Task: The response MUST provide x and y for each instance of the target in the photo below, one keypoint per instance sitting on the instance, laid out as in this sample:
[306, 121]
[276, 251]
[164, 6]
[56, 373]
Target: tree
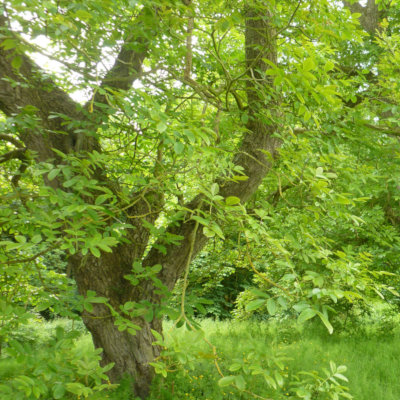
[188, 106]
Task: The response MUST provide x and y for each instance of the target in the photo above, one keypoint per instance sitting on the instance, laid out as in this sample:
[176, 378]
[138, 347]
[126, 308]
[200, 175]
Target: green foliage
[319, 241]
[215, 280]
[56, 368]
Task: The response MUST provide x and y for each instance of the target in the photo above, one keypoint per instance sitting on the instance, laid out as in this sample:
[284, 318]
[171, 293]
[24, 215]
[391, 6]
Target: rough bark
[105, 275]
[131, 354]
[370, 14]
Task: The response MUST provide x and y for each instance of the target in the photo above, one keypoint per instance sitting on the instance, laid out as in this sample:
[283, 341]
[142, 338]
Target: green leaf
[83, 15]
[9, 44]
[217, 229]
[201, 220]
[306, 314]
[255, 304]
[58, 391]
[240, 382]
[70, 182]
[226, 381]
[232, 200]
[101, 199]
[36, 238]
[95, 251]
[341, 368]
[271, 306]
[235, 367]
[342, 377]
[278, 378]
[329, 66]
[326, 322]
[244, 118]
[240, 178]
[214, 189]
[75, 388]
[308, 64]
[208, 232]
[319, 172]
[179, 147]
[53, 173]
[20, 239]
[88, 306]
[161, 127]
[16, 62]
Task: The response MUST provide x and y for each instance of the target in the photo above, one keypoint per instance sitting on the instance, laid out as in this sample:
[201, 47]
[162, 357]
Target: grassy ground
[373, 361]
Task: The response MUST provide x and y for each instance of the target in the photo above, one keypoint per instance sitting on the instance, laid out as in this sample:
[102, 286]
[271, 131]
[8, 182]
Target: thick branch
[30, 86]
[128, 65]
[13, 154]
[252, 155]
[370, 14]
[11, 139]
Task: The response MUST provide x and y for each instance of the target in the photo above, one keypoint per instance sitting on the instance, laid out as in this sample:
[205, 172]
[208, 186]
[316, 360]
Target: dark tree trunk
[130, 353]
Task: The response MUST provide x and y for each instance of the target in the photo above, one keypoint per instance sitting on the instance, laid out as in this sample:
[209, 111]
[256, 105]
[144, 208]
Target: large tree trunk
[130, 353]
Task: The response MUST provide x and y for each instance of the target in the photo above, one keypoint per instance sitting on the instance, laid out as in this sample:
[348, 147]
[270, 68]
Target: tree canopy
[133, 133]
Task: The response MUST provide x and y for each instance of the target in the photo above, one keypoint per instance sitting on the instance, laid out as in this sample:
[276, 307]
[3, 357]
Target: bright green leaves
[255, 304]
[311, 383]
[91, 299]
[9, 44]
[325, 321]
[309, 65]
[271, 306]
[16, 62]
[232, 201]
[236, 380]
[97, 243]
[306, 314]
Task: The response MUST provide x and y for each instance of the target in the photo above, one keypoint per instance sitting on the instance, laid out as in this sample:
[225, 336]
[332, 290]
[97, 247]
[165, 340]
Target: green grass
[373, 361]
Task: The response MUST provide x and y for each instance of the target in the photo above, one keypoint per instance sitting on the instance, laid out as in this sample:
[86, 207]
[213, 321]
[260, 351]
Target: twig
[34, 257]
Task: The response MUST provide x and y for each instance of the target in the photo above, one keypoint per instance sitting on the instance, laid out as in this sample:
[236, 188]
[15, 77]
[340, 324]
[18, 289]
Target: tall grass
[373, 361]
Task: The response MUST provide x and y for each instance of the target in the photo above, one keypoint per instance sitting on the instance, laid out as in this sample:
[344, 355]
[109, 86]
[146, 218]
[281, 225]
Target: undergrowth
[371, 356]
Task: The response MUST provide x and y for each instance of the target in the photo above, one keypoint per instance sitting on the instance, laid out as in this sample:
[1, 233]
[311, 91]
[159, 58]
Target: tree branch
[11, 139]
[41, 94]
[128, 65]
[254, 155]
[13, 154]
[387, 130]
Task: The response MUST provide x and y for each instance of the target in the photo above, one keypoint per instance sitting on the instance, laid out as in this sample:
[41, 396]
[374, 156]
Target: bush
[61, 367]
